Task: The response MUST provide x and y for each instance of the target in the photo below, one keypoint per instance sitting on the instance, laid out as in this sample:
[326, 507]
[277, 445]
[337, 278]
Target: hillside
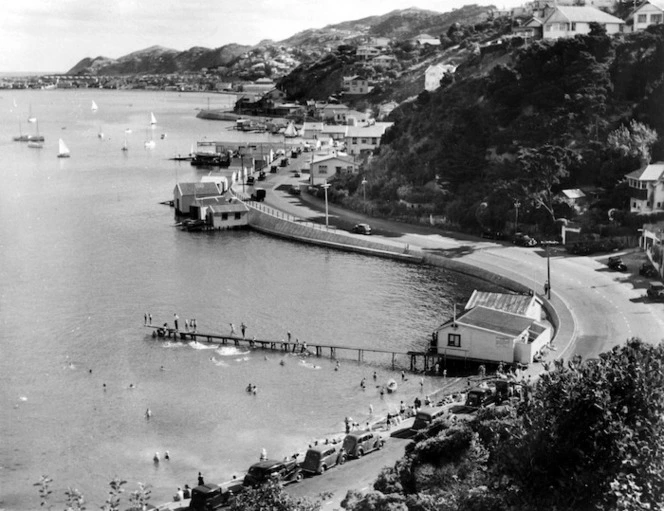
[525, 129]
[277, 59]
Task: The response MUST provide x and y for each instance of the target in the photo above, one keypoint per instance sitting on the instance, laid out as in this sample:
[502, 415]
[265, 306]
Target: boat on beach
[94, 106]
[391, 386]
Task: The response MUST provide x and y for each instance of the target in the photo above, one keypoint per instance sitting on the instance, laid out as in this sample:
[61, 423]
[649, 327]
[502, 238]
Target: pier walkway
[429, 359]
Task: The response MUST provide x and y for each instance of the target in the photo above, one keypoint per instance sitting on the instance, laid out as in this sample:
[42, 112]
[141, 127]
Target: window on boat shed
[454, 340]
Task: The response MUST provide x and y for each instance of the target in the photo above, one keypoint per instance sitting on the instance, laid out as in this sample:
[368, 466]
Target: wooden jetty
[429, 358]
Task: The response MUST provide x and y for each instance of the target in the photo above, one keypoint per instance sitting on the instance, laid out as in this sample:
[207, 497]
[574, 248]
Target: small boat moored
[391, 386]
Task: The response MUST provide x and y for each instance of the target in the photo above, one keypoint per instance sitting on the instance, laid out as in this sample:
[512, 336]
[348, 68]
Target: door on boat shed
[195, 212]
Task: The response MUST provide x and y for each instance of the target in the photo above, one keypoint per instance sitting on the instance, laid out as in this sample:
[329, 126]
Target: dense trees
[482, 137]
[591, 436]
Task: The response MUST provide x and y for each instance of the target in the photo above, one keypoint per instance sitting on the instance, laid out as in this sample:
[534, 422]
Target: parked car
[250, 180]
[523, 240]
[259, 195]
[362, 229]
[425, 416]
[261, 176]
[295, 190]
[273, 169]
[320, 458]
[210, 496]
[647, 270]
[284, 162]
[656, 291]
[296, 174]
[493, 235]
[357, 445]
[283, 472]
[616, 263]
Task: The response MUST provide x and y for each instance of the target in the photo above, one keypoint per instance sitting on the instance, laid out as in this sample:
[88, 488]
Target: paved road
[606, 307]
[358, 474]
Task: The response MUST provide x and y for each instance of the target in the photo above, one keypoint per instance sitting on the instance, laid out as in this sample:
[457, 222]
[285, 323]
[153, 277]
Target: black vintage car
[283, 472]
[616, 263]
[647, 270]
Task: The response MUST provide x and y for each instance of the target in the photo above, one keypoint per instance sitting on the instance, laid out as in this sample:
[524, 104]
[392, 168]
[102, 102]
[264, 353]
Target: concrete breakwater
[269, 221]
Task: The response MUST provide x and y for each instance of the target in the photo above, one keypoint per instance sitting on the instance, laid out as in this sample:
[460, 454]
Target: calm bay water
[86, 249]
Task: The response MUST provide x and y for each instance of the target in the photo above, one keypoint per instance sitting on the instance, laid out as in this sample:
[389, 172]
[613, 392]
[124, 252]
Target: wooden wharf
[429, 358]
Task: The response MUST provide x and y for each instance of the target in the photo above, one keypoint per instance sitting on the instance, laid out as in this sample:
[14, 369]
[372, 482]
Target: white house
[569, 21]
[426, 40]
[334, 112]
[185, 194]
[334, 131]
[434, 74]
[649, 13]
[312, 129]
[364, 139]
[646, 188]
[228, 215]
[356, 85]
[523, 305]
[367, 52]
[490, 335]
[324, 167]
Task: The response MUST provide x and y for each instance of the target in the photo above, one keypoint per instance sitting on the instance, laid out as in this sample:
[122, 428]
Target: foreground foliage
[590, 437]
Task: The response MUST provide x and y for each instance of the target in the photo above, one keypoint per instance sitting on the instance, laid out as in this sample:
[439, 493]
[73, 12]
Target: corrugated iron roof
[581, 14]
[515, 304]
[230, 207]
[496, 321]
[651, 172]
[198, 188]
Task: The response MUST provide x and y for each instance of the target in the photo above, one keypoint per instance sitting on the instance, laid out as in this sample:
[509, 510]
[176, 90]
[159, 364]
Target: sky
[54, 35]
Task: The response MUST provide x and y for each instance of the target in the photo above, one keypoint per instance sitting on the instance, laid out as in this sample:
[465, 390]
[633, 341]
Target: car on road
[656, 291]
[616, 263]
[207, 497]
[283, 472]
[320, 458]
[493, 235]
[296, 174]
[647, 270]
[250, 180]
[357, 445]
[523, 240]
[295, 190]
[362, 229]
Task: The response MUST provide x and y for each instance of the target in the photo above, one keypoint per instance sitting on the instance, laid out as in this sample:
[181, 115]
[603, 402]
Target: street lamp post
[548, 274]
[325, 187]
[517, 205]
[364, 189]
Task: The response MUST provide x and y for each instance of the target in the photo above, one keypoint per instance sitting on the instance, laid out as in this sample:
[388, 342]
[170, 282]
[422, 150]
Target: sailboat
[31, 118]
[290, 131]
[94, 106]
[21, 137]
[153, 119]
[63, 150]
[149, 144]
[125, 147]
[36, 137]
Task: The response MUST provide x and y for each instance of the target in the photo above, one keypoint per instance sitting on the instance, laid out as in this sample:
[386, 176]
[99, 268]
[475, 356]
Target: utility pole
[517, 205]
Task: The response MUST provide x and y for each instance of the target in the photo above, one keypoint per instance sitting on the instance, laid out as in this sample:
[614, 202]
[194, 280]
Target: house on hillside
[356, 85]
[530, 29]
[384, 61]
[425, 40]
[569, 21]
[646, 188]
[185, 194]
[523, 305]
[482, 334]
[435, 73]
[381, 43]
[365, 139]
[325, 167]
[647, 14]
[312, 129]
[336, 132]
[334, 112]
[366, 52]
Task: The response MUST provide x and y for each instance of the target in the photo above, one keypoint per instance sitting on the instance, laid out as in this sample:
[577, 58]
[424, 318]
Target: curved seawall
[272, 222]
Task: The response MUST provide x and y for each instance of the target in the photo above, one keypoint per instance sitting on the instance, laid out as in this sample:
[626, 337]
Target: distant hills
[282, 56]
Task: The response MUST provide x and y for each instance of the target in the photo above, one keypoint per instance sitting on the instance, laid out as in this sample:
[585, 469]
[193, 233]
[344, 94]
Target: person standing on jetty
[145, 318]
[243, 327]
[201, 482]
[232, 329]
[175, 321]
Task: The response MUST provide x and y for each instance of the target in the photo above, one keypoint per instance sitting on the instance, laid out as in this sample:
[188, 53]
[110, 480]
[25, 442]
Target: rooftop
[496, 321]
[512, 303]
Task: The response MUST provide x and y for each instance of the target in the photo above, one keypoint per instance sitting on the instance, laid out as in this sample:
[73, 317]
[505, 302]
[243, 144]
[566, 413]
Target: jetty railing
[290, 218]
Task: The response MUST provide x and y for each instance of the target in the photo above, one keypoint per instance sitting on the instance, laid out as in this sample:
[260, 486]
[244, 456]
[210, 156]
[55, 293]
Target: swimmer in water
[282, 363]
[132, 386]
[148, 414]
[155, 458]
